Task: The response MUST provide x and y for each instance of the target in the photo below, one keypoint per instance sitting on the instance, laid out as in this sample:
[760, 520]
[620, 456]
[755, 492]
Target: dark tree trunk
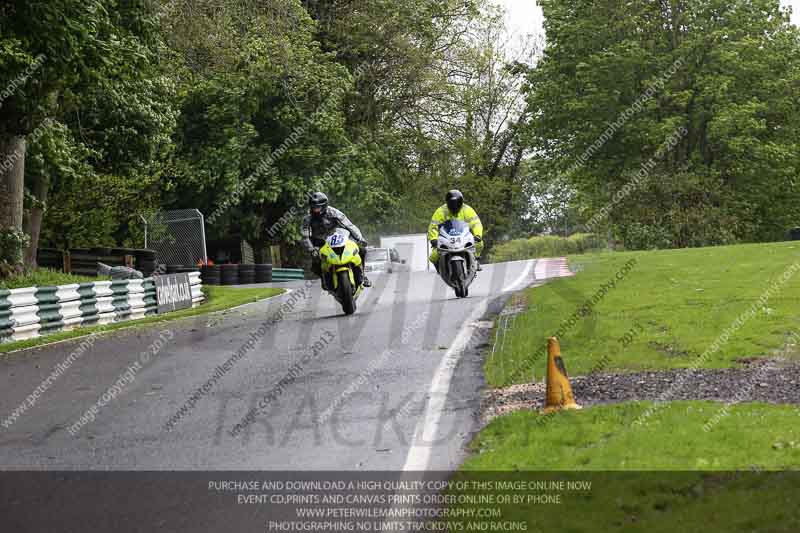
[258, 250]
[12, 187]
[12, 181]
[34, 222]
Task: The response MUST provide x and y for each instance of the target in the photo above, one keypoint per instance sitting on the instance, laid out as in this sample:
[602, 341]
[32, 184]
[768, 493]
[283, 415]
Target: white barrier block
[102, 289]
[106, 318]
[25, 315]
[135, 286]
[68, 293]
[23, 297]
[22, 333]
[69, 310]
[72, 323]
[104, 305]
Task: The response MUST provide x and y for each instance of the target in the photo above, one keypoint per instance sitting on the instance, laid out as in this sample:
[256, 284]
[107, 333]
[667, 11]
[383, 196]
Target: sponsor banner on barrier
[173, 292]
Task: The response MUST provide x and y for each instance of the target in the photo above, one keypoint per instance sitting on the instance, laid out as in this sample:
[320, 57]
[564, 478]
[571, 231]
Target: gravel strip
[761, 380]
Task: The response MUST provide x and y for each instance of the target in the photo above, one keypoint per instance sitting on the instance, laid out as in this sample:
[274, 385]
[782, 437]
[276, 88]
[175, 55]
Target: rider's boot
[327, 281]
[361, 277]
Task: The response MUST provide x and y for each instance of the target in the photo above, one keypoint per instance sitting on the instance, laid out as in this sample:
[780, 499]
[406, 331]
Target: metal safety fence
[177, 236]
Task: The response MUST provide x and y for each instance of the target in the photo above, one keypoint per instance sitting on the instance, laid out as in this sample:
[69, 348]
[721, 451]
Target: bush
[637, 236]
[12, 244]
[546, 246]
[685, 210]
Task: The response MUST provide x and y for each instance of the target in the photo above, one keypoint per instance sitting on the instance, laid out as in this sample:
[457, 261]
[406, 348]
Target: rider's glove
[315, 253]
[478, 239]
[434, 244]
[363, 244]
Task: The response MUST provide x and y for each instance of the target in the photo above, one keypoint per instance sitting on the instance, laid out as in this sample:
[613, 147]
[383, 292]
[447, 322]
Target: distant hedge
[546, 246]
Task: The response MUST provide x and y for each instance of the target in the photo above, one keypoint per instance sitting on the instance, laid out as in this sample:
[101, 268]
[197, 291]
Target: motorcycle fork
[336, 277]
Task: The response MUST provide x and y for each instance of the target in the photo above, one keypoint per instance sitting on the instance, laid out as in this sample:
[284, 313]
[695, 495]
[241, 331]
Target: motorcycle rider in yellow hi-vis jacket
[454, 209]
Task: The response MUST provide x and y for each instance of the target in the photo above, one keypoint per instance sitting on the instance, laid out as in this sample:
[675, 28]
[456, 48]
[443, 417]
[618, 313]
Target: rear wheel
[346, 293]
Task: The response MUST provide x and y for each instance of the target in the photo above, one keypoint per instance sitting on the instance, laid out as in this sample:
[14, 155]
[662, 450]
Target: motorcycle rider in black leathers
[320, 223]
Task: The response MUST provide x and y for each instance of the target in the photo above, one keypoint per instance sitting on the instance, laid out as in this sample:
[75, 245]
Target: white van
[384, 260]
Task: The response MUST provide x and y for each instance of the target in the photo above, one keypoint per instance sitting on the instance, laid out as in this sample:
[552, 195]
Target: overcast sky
[526, 17]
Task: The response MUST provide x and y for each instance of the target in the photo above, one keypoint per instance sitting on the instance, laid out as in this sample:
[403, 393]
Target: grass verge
[602, 438]
[43, 277]
[218, 299]
[647, 502]
[669, 309]
[668, 475]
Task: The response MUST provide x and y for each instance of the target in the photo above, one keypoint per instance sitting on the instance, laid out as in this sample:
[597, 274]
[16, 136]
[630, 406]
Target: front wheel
[346, 293]
[459, 272]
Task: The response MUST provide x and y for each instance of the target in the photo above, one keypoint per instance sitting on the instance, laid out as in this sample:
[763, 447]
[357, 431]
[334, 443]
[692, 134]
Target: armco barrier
[36, 311]
[287, 274]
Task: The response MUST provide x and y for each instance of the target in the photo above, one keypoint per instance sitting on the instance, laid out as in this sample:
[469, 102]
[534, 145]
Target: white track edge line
[419, 453]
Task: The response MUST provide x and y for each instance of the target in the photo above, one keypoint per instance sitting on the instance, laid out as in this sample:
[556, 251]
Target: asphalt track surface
[394, 387]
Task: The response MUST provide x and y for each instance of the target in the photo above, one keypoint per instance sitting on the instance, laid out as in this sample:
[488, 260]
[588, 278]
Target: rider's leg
[478, 252]
[363, 253]
[316, 268]
[434, 258]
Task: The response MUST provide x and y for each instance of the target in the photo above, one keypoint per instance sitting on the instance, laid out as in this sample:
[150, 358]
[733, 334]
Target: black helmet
[455, 201]
[318, 203]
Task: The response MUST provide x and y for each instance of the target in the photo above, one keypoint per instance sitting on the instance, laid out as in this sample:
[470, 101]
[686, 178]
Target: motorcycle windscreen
[453, 228]
[338, 238]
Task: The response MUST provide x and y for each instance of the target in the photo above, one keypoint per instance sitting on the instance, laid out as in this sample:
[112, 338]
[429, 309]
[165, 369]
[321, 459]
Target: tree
[37, 70]
[437, 106]
[111, 46]
[469, 130]
[261, 116]
[617, 81]
[241, 108]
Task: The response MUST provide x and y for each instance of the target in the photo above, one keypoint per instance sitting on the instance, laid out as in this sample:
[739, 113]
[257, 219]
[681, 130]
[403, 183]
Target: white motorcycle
[457, 261]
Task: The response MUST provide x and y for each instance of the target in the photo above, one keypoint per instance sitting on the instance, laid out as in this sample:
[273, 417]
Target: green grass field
[667, 475]
[665, 312]
[644, 502]
[704, 308]
[218, 299]
[604, 438]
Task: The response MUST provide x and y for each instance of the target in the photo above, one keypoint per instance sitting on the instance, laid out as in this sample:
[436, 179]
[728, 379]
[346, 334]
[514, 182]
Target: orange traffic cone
[559, 391]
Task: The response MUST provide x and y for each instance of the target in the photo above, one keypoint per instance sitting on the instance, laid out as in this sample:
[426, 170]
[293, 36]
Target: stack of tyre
[247, 274]
[83, 262]
[229, 274]
[244, 274]
[210, 274]
[145, 262]
[263, 273]
[50, 258]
